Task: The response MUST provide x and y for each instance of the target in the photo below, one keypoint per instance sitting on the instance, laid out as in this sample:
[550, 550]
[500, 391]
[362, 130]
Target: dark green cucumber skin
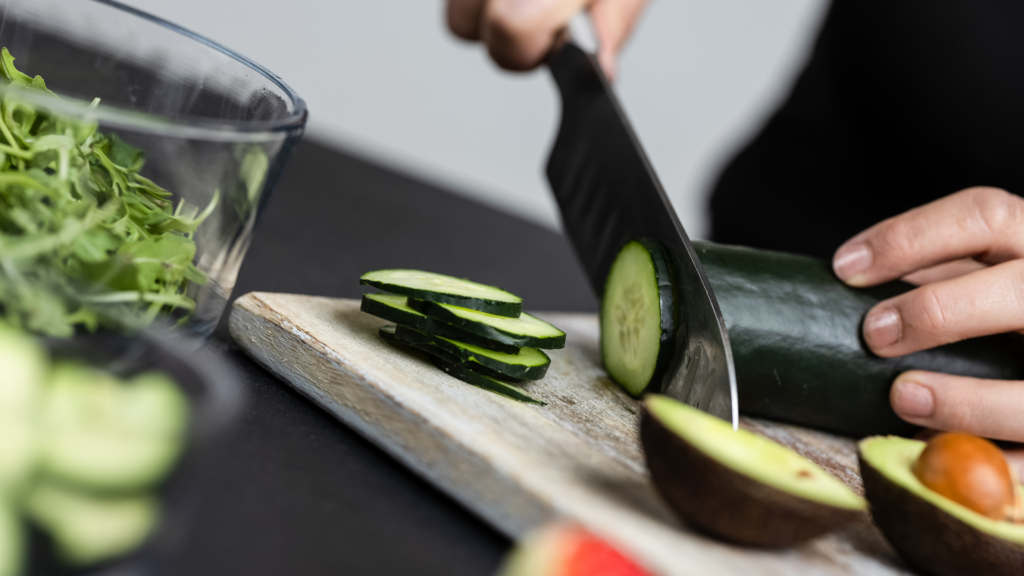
[432, 326]
[496, 307]
[518, 371]
[495, 385]
[387, 332]
[795, 332]
[669, 308]
[488, 333]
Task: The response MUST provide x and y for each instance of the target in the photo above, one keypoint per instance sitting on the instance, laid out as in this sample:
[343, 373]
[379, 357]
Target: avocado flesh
[933, 532]
[752, 455]
[737, 485]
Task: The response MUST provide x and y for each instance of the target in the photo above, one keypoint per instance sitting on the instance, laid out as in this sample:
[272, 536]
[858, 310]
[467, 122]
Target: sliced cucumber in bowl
[105, 434]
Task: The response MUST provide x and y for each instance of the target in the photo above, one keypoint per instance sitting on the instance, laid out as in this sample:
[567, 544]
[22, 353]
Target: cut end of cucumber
[637, 322]
[435, 287]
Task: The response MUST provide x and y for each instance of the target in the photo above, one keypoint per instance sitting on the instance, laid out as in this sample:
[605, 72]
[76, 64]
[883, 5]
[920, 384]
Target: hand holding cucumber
[966, 252]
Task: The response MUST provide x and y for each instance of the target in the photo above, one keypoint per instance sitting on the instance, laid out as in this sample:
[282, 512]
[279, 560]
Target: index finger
[520, 33]
[464, 18]
[983, 223]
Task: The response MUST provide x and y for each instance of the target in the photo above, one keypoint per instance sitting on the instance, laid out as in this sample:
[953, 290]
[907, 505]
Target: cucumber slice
[637, 316]
[529, 364]
[19, 440]
[23, 365]
[87, 528]
[526, 331]
[12, 540]
[104, 434]
[445, 289]
[387, 332]
[395, 309]
[496, 385]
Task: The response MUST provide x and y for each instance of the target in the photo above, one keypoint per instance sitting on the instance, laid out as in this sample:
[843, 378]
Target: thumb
[988, 408]
[614, 21]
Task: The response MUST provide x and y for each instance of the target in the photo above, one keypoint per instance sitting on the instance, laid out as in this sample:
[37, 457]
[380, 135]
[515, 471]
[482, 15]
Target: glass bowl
[215, 129]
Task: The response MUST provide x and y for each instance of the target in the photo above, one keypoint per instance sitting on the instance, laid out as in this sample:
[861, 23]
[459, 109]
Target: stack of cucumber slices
[474, 332]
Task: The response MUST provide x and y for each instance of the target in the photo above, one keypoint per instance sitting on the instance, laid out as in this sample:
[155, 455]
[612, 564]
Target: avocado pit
[937, 534]
[970, 471]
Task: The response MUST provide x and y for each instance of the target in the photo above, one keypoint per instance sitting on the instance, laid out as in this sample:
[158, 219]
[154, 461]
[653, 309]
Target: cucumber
[23, 365]
[445, 289]
[795, 331]
[387, 332]
[18, 454]
[488, 383]
[525, 332]
[638, 317]
[12, 540]
[529, 364]
[395, 309]
[104, 434]
[87, 528]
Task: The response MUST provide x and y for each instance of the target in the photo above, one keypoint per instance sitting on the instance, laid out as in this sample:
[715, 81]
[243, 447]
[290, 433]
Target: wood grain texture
[520, 465]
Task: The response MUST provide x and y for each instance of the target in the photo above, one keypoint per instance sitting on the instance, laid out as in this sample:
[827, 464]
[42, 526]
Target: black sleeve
[901, 102]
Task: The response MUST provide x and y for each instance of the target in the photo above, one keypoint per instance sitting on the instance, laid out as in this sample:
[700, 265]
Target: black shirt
[902, 102]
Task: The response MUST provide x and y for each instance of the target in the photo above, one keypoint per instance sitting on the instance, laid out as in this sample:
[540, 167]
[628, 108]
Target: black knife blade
[608, 194]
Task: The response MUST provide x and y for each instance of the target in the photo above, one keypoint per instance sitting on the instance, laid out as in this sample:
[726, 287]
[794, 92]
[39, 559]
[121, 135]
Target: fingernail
[850, 263]
[882, 328]
[913, 399]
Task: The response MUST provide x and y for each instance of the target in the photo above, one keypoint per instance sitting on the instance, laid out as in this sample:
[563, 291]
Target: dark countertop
[296, 492]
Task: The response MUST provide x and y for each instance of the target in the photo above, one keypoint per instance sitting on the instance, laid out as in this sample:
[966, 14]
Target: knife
[608, 194]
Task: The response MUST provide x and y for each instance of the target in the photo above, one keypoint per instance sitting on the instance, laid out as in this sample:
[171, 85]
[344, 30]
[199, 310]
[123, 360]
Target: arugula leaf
[85, 240]
[12, 75]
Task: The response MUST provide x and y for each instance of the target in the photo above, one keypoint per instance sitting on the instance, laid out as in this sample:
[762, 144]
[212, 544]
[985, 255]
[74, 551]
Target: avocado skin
[726, 504]
[794, 329]
[931, 539]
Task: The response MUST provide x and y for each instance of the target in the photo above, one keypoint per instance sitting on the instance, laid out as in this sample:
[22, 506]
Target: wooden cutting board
[519, 465]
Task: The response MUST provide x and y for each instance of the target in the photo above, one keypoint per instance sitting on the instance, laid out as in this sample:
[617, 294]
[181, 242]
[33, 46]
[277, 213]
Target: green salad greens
[85, 239]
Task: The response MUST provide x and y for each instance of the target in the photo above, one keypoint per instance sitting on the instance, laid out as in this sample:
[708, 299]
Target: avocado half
[934, 533]
[737, 485]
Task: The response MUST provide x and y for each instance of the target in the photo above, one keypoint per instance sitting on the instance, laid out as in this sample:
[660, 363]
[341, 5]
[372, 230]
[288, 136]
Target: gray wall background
[385, 80]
